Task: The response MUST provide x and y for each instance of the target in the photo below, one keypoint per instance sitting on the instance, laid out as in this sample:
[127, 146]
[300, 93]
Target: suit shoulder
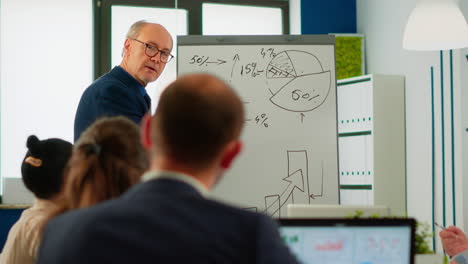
[251, 215]
[82, 217]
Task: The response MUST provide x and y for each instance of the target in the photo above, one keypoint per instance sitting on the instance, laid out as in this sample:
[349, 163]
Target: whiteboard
[288, 87]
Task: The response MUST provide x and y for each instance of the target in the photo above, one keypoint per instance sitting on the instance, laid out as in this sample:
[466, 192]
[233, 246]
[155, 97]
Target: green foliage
[357, 214]
[348, 56]
[423, 235]
[422, 238]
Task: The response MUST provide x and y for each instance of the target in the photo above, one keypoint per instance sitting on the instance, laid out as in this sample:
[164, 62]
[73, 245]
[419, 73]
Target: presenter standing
[147, 49]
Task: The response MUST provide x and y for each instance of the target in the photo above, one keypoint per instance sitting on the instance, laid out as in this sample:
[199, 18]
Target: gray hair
[134, 31]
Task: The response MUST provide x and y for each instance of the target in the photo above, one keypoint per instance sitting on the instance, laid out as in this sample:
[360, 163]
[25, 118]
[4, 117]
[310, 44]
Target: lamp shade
[436, 25]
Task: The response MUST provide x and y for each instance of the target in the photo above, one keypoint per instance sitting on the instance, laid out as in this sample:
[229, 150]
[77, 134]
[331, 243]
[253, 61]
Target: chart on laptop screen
[349, 244]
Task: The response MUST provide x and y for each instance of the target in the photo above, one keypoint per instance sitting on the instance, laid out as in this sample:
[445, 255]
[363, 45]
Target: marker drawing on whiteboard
[313, 196]
[297, 178]
[298, 88]
[235, 59]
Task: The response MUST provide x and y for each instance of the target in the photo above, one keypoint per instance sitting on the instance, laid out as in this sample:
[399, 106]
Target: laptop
[350, 241]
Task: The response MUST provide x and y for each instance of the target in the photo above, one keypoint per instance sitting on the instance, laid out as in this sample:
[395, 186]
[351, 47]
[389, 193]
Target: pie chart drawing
[297, 81]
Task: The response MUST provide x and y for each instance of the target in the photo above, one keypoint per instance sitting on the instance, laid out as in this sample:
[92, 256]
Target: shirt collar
[150, 175]
[141, 88]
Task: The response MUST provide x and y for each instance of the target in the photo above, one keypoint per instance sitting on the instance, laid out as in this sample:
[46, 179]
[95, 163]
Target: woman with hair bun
[107, 160]
[42, 171]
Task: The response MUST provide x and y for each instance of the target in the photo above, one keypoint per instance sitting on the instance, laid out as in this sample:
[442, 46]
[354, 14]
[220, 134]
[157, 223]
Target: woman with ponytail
[107, 160]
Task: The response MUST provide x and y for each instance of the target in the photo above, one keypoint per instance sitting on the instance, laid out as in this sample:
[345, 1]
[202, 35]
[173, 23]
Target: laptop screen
[356, 241]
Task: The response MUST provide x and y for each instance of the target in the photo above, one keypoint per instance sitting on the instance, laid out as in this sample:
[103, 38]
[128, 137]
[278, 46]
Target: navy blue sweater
[116, 93]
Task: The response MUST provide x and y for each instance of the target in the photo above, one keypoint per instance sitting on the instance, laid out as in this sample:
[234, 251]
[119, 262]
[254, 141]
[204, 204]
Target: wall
[463, 64]
[382, 22]
[323, 17]
[295, 17]
[45, 64]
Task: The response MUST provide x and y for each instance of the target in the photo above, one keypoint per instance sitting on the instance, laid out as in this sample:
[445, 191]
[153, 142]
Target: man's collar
[150, 175]
[141, 88]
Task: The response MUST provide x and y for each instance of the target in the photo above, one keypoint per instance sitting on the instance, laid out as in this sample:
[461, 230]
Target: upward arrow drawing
[296, 181]
[235, 59]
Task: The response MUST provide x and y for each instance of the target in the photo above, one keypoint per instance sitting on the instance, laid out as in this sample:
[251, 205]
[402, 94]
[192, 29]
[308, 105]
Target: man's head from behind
[198, 122]
[146, 51]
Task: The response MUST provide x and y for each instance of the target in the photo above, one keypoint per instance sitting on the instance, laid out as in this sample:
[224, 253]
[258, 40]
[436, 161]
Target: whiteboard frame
[198, 40]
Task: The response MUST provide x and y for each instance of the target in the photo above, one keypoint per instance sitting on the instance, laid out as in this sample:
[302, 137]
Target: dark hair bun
[43, 165]
[32, 142]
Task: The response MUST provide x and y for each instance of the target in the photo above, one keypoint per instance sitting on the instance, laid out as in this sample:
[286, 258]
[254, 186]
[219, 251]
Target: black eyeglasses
[152, 51]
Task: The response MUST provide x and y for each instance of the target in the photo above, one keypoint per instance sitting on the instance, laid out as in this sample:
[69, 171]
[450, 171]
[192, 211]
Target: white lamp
[436, 25]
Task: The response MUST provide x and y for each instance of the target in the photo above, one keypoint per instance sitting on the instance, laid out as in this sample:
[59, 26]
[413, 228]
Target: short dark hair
[43, 166]
[196, 116]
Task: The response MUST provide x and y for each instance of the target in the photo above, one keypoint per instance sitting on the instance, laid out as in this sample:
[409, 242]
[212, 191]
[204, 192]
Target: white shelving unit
[371, 139]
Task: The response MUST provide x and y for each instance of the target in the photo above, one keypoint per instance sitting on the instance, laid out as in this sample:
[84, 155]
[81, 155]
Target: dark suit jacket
[162, 221]
[113, 94]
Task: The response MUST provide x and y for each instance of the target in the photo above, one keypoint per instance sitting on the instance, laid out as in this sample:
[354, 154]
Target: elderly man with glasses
[121, 92]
